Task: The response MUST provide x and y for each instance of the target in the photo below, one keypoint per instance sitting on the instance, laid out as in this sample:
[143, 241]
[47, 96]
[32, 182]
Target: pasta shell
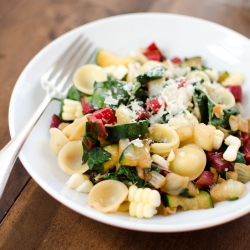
[76, 129]
[198, 75]
[107, 196]
[222, 96]
[165, 139]
[85, 77]
[57, 140]
[70, 158]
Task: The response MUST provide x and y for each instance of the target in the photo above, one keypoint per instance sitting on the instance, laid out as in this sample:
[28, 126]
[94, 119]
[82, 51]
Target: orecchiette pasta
[76, 129]
[164, 139]
[85, 77]
[57, 140]
[189, 161]
[70, 158]
[106, 196]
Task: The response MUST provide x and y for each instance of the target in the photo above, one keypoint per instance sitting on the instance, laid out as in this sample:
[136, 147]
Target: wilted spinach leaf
[96, 157]
[113, 92]
[127, 175]
[74, 94]
[150, 75]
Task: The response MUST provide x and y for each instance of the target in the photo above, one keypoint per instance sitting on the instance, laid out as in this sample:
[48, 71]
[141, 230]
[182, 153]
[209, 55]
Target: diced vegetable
[86, 107]
[106, 115]
[55, 121]
[136, 156]
[227, 190]
[205, 180]
[155, 104]
[96, 127]
[200, 201]
[217, 160]
[153, 53]
[175, 184]
[127, 131]
[236, 91]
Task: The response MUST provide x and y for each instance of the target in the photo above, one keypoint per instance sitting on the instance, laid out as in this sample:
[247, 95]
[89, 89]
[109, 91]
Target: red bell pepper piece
[153, 53]
[86, 107]
[176, 60]
[106, 115]
[236, 91]
[216, 158]
[151, 47]
[55, 121]
[155, 104]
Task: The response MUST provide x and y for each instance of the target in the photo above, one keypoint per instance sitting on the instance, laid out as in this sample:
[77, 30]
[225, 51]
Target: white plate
[175, 35]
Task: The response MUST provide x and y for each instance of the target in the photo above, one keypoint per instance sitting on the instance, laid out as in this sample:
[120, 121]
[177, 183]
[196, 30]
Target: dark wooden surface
[30, 218]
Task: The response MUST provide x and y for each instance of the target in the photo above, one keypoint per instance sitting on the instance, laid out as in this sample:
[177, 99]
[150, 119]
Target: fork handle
[10, 152]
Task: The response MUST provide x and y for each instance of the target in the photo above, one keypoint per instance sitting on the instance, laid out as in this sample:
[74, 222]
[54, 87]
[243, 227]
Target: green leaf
[97, 156]
[74, 94]
[152, 74]
[200, 101]
[240, 158]
[127, 175]
[88, 142]
[113, 90]
[224, 121]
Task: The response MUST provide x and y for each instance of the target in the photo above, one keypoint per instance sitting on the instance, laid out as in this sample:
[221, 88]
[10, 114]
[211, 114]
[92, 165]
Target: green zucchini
[127, 131]
[192, 62]
[136, 156]
[201, 201]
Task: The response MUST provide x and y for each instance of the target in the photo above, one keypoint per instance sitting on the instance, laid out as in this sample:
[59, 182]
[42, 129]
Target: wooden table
[30, 218]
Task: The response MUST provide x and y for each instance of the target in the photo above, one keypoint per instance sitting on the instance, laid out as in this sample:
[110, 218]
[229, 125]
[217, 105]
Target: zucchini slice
[201, 201]
[127, 131]
[136, 156]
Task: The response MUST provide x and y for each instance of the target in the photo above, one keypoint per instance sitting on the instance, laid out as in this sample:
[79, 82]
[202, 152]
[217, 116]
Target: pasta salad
[146, 134]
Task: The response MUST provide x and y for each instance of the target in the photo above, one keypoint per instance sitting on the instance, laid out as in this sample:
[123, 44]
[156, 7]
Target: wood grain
[31, 219]
[49, 225]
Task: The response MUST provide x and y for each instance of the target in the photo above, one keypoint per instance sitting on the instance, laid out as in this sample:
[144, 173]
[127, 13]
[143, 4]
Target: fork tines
[80, 52]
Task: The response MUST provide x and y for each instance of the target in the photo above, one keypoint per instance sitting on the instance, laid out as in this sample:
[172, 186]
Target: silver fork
[56, 82]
